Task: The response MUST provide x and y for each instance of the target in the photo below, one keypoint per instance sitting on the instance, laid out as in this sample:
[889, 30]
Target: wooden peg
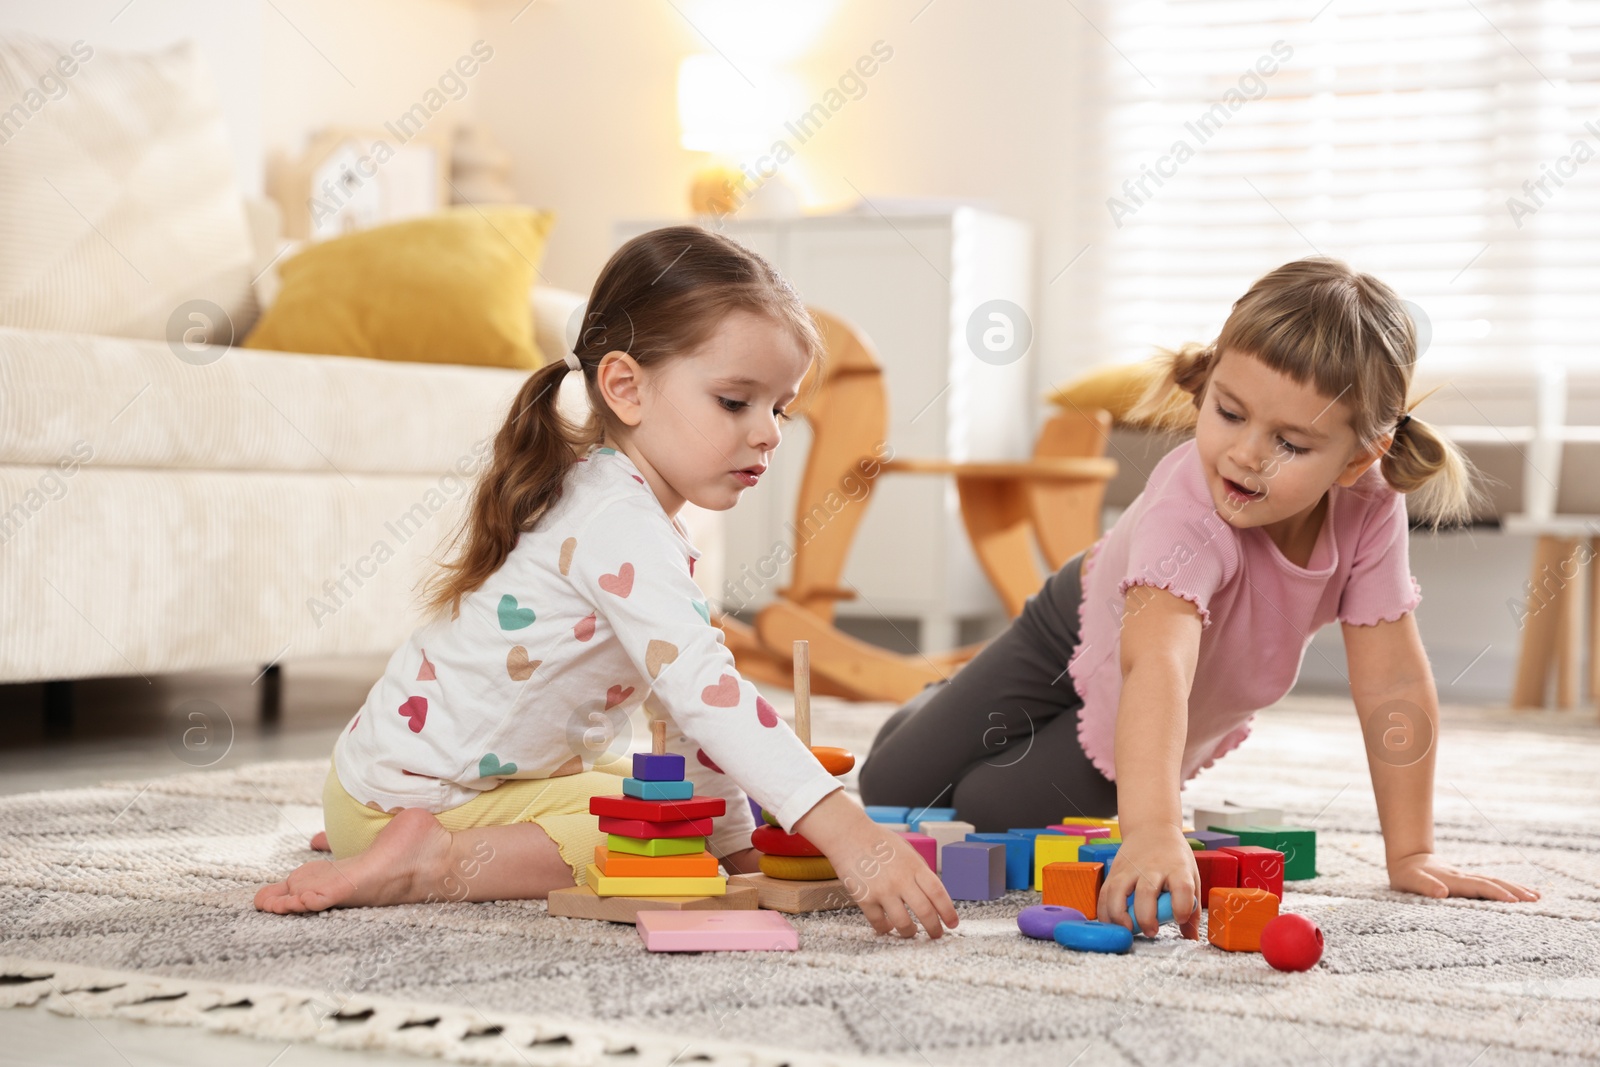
[658, 737]
[802, 692]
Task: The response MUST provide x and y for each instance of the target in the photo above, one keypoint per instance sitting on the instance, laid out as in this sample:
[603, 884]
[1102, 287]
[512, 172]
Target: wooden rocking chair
[1054, 499]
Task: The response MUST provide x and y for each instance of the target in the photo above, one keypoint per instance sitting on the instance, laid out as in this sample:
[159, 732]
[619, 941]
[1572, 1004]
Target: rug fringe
[447, 1031]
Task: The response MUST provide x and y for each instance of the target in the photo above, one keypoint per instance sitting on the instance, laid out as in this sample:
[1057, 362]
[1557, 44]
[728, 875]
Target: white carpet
[153, 880]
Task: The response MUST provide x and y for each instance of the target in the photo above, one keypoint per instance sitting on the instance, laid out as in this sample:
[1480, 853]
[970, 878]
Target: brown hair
[1349, 336]
[659, 296]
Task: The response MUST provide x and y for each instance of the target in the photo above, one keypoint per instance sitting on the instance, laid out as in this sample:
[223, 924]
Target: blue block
[914, 820]
[973, 870]
[887, 813]
[1099, 852]
[1031, 832]
[1019, 857]
[646, 790]
[649, 767]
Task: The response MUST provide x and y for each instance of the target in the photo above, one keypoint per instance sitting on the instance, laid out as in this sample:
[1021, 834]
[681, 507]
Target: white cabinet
[911, 283]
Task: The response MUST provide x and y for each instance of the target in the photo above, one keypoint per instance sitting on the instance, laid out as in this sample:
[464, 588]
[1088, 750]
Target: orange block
[622, 865]
[1073, 885]
[1235, 917]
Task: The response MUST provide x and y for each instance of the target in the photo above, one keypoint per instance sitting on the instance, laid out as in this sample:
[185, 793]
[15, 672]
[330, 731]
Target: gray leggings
[999, 741]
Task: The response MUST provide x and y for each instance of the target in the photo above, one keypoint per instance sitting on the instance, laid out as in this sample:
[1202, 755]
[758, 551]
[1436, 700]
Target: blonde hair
[1349, 336]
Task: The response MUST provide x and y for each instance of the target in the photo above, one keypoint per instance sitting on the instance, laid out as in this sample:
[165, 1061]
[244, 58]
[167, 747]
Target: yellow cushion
[1116, 388]
[446, 288]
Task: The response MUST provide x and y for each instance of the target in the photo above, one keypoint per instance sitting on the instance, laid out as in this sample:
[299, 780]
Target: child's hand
[1427, 875]
[880, 869]
[1149, 861]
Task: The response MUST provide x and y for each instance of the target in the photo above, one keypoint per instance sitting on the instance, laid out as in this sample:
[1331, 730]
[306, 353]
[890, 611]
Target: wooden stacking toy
[795, 876]
[655, 854]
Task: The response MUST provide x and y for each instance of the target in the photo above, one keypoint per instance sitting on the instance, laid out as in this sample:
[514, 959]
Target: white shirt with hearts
[593, 615]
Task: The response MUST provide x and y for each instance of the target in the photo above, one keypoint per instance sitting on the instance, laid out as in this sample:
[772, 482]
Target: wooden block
[1073, 885]
[794, 898]
[887, 813]
[1053, 848]
[1235, 918]
[690, 931]
[1019, 857]
[658, 767]
[1212, 840]
[775, 842]
[797, 868]
[973, 870]
[1099, 852]
[1259, 868]
[647, 790]
[1230, 817]
[926, 847]
[626, 865]
[655, 846]
[1298, 845]
[607, 886]
[626, 807]
[1083, 830]
[917, 816]
[1110, 824]
[582, 902]
[946, 833]
[1218, 870]
[649, 829]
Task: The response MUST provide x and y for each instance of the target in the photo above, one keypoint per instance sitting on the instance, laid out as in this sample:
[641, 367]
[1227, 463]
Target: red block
[1259, 868]
[1218, 870]
[647, 829]
[774, 842]
[658, 810]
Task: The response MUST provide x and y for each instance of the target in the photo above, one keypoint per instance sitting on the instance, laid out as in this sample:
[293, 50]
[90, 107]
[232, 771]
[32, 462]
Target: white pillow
[118, 202]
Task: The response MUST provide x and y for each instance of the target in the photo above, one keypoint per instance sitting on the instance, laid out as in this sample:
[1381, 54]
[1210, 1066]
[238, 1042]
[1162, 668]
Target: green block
[655, 846]
[1298, 845]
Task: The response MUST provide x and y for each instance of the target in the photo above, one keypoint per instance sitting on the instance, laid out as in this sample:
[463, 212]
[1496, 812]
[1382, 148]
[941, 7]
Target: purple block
[1214, 841]
[974, 870]
[755, 809]
[926, 847]
[1040, 920]
[649, 767]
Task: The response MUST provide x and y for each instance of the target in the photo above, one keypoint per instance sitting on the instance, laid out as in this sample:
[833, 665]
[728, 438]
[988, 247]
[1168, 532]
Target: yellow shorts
[558, 806]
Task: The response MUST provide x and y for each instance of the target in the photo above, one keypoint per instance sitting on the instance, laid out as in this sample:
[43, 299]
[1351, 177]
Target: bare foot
[319, 842]
[399, 867]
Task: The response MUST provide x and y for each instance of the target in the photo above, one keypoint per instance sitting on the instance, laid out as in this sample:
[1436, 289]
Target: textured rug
[133, 899]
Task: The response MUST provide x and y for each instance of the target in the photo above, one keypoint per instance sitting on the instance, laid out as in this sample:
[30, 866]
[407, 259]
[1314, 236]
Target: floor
[133, 728]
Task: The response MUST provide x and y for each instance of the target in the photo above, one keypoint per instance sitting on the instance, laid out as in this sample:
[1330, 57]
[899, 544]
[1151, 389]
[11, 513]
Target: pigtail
[533, 451]
[1177, 381]
[1433, 473]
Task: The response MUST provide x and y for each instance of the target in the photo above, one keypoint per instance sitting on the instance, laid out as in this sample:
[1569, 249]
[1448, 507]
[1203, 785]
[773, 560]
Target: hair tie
[572, 361]
[1402, 423]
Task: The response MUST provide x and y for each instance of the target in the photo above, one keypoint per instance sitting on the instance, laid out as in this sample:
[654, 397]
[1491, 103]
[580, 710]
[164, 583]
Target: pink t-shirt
[1258, 611]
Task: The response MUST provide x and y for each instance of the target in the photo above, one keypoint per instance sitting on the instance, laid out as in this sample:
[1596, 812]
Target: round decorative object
[1040, 920]
[1291, 943]
[775, 842]
[1093, 936]
[797, 868]
[835, 761]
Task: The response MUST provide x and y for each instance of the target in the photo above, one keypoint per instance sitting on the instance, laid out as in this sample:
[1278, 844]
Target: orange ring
[835, 761]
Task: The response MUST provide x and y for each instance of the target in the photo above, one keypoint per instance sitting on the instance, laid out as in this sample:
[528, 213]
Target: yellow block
[1109, 824]
[655, 887]
[1053, 848]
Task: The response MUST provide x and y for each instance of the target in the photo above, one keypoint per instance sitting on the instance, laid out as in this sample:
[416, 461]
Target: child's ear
[619, 381]
[1362, 460]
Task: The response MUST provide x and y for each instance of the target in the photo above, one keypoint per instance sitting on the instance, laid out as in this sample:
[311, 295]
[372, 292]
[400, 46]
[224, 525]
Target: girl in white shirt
[467, 773]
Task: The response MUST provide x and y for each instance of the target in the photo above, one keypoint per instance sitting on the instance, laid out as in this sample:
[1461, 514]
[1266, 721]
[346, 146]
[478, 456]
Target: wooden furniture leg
[1569, 625]
[1539, 628]
[1594, 621]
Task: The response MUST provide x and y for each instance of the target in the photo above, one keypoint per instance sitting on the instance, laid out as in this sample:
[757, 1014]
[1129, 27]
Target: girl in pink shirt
[1144, 659]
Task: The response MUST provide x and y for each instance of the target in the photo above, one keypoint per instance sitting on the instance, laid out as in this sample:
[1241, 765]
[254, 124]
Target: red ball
[1291, 943]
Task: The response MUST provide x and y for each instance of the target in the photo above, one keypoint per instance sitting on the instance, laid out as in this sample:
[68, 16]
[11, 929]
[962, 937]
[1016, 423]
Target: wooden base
[794, 898]
[581, 902]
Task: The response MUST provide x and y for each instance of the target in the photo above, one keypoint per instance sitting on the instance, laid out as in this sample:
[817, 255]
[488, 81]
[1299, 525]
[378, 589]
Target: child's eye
[1296, 449]
[732, 405]
[1225, 413]
[783, 416]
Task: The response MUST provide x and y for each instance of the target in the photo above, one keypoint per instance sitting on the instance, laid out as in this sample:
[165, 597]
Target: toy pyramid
[655, 854]
[795, 876]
